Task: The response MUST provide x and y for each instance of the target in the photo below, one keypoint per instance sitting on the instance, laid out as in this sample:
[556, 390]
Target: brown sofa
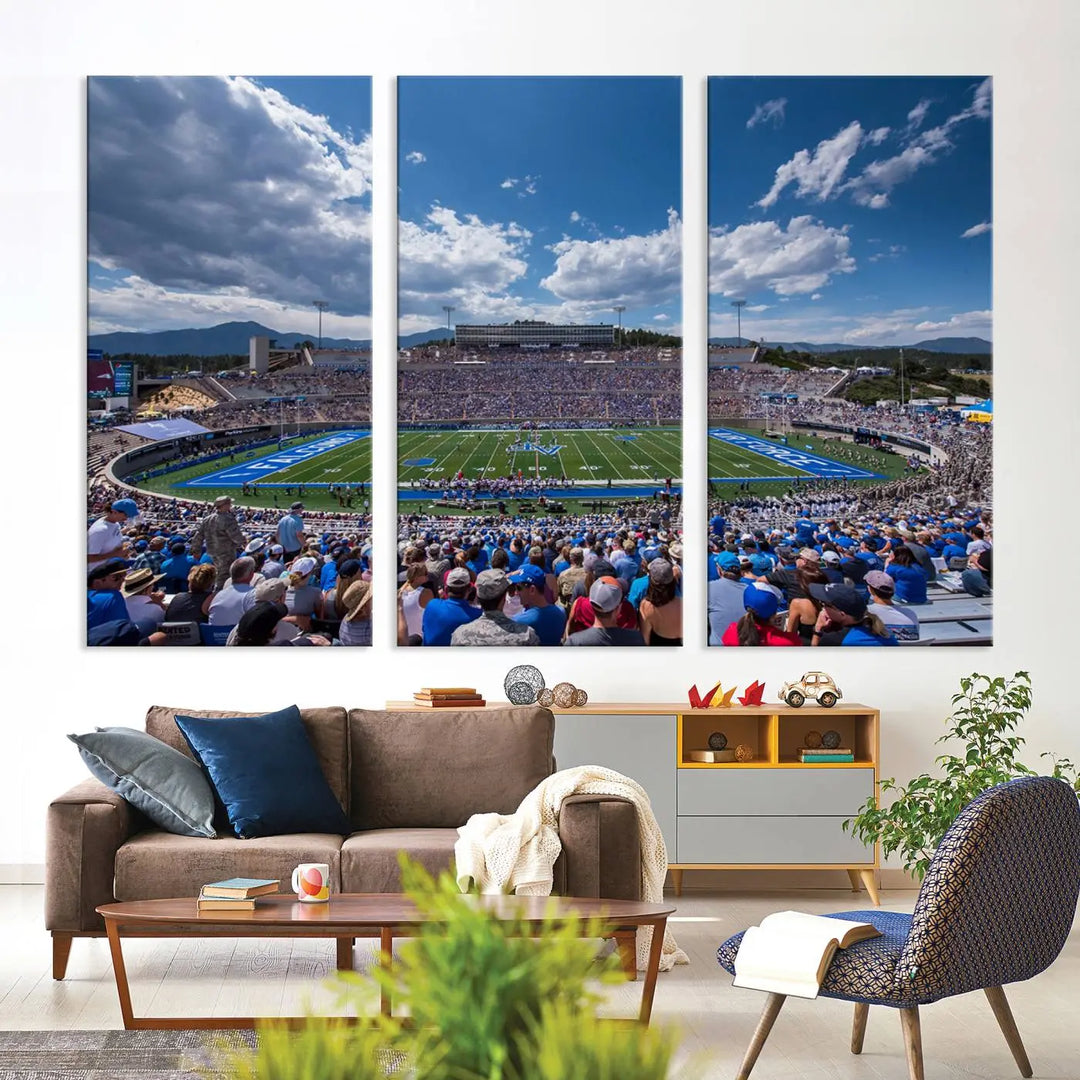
[406, 780]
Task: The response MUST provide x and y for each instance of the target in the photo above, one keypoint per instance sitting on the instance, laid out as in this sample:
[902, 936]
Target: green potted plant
[985, 715]
[487, 999]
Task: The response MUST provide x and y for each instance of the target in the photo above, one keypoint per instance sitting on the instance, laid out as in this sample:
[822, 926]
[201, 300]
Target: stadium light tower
[901, 378]
[738, 305]
[619, 309]
[322, 305]
[447, 308]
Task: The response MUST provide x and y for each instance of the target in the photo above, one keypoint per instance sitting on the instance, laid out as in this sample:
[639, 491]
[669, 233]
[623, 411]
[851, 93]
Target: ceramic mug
[311, 882]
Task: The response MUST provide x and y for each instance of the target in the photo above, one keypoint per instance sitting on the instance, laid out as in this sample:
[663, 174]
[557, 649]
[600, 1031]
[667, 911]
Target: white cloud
[509, 182]
[816, 296]
[757, 308]
[817, 174]
[877, 136]
[976, 230]
[768, 111]
[574, 215]
[222, 188]
[661, 317]
[764, 255]
[976, 323]
[917, 115]
[415, 157]
[639, 271]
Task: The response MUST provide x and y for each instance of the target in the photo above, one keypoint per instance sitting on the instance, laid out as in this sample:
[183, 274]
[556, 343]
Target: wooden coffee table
[349, 916]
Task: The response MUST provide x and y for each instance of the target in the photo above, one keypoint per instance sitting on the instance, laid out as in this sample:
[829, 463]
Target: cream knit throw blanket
[517, 852]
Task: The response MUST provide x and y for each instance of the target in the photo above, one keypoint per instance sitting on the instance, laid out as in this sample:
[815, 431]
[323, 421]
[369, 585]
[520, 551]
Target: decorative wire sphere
[545, 698]
[522, 684]
[581, 699]
[830, 740]
[813, 739]
[744, 752]
[564, 695]
[717, 741]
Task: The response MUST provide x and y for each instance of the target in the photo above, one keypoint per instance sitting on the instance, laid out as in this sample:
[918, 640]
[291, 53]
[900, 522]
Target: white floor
[961, 1040]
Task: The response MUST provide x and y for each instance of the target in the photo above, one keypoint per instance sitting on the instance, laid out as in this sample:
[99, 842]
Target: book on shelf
[813, 759]
[711, 757]
[224, 903]
[446, 691]
[790, 952]
[450, 703]
[813, 752]
[240, 888]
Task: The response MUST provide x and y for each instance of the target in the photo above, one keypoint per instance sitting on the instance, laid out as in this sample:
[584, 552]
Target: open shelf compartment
[746, 727]
[858, 732]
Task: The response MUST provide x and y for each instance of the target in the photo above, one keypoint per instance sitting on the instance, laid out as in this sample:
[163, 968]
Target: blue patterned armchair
[995, 907]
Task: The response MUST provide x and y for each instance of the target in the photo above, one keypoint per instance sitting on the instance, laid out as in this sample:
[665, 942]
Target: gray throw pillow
[167, 786]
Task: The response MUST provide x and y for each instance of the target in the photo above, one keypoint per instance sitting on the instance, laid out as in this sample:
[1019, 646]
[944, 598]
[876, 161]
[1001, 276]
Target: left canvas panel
[229, 361]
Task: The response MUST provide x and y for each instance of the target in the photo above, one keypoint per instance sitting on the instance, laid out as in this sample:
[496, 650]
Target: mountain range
[965, 345]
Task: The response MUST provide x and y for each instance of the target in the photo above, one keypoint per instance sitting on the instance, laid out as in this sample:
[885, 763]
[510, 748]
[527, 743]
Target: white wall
[53, 685]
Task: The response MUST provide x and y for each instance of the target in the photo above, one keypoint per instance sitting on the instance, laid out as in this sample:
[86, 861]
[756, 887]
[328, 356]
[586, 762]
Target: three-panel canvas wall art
[540, 363]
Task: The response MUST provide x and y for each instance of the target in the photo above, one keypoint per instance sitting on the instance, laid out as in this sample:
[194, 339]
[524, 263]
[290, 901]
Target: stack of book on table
[839, 753]
[235, 894]
[448, 697]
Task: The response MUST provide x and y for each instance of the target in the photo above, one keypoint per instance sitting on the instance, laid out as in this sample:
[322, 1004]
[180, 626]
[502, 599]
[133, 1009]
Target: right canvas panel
[850, 364]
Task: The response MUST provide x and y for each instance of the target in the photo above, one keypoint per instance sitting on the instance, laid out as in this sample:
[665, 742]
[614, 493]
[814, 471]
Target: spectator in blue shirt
[104, 601]
[443, 616]
[548, 620]
[908, 575]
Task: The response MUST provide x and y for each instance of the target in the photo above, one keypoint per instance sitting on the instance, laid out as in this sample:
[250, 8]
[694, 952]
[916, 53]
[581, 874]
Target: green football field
[627, 455]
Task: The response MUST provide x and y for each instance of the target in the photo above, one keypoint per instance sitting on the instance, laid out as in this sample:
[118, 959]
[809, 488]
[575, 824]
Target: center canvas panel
[850, 361]
[540, 361]
[229, 361]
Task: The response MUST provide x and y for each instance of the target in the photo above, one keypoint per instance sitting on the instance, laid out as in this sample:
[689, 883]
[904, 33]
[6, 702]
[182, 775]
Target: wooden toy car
[813, 684]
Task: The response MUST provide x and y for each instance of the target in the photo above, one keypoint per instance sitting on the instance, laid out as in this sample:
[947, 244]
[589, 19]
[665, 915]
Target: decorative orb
[717, 741]
[545, 698]
[522, 684]
[581, 699]
[830, 740]
[744, 752]
[564, 695]
[813, 739]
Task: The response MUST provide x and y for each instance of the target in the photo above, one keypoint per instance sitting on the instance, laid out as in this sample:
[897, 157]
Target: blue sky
[549, 198]
[219, 199]
[850, 209]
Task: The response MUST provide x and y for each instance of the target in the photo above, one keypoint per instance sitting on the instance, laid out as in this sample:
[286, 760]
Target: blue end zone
[816, 466]
[625, 438]
[255, 472]
[418, 462]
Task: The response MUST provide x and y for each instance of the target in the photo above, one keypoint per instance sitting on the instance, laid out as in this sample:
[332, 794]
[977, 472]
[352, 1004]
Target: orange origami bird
[721, 699]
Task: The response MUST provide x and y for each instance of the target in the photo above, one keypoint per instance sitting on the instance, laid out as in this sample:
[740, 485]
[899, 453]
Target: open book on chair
[790, 952]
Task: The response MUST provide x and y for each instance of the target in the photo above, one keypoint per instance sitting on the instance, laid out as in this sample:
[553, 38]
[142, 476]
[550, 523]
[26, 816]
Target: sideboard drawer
[813, 789]
[756, 840]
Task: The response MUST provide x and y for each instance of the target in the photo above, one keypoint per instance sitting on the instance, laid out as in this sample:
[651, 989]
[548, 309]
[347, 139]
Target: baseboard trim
[784, 880]
[22, 873]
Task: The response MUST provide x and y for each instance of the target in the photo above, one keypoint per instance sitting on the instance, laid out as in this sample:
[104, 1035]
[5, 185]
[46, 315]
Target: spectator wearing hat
[221, 535]
[176, 568]
[290, 532]
[493, 627]
[581, 615]
[271, 591]
[787, 577]
[274, 566]
[908, 576]
[105, 538]
[548, 620]
[355, 626]
[104, 601]
[661, 607]
[725, 596]
[869, 547]
[259, 624]
[900, 621]
[978, 578]
[413, 597]
[845, 620]
[230, 603]
[192, 604]
[755, 626]
[442, 616]
[605, 598]
[830, 566]
[333, 600]
[151, 555]
[303, 599]
[569, 578]
[437, 564]
[145, 609]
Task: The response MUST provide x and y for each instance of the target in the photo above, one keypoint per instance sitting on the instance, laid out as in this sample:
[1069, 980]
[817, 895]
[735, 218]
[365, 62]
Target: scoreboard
[123, 379]
[106, 379]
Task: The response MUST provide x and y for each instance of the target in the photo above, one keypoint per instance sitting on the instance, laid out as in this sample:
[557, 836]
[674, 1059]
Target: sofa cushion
[266, 773]
[154, 865]
[369, 860]
[436, 769]
[326, 728]
[167, 786]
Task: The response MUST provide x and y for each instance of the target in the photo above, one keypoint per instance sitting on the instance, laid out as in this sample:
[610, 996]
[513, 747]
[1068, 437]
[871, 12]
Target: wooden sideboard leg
[871, 886]
[61, 950]
[676, 881]
[853, 877]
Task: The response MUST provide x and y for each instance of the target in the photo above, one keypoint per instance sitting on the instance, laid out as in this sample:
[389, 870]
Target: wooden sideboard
[770, 813]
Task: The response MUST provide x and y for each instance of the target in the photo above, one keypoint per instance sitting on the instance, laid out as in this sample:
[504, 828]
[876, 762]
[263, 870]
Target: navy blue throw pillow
[265, 772]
